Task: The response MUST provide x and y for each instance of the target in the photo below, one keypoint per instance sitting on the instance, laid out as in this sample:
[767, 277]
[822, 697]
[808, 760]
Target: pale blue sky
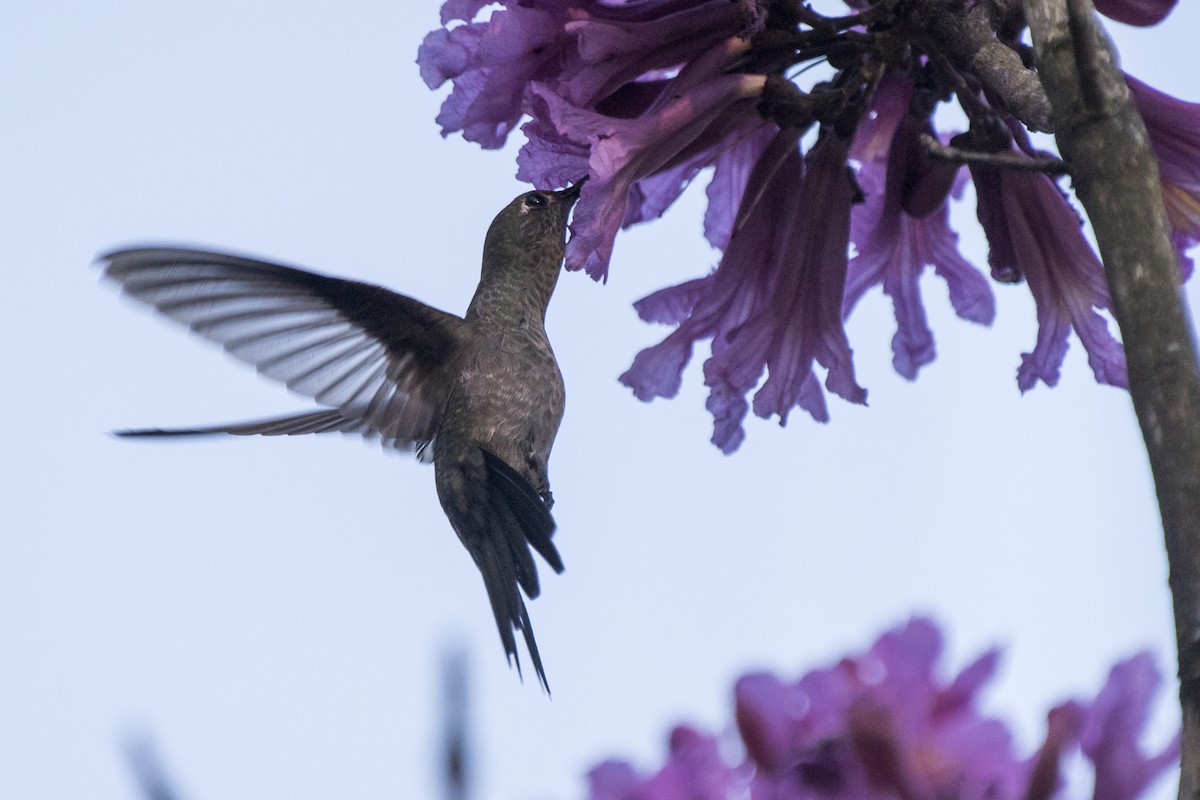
[274, 611]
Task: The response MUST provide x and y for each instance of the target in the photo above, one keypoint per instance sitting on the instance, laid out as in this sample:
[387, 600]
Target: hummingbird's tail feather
[500, 580]
[501, 519]
[527, 505]
[326, 421]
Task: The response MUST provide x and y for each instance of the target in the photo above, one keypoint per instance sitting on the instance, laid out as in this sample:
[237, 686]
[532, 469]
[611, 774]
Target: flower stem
[1002, 160]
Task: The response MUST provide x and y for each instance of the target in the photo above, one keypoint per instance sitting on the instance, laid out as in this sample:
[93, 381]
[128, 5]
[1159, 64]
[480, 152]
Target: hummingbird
[481, 396]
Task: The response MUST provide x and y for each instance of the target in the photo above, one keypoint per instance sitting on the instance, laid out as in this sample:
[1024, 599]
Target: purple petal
[989, 209]
[960, 695]
[1044, 362]
[873, 138]
[446, 54]
[893, 253]
[492, 64]
[880, 748]
[970, 294]
[906, 657]
[651, 196]
[549, 158]
[461, 9]
[658, 371]
[1063, 726]
[694, 769]
[1030, 221]
[763, 709]
[728, 184]
[728, 407]
[982, 750]
[613, 780]
[739, 313]
[625, 151]
[616, 46]
[804, 322]
[1135, 12]
[1174, 130]
[1114, 725]
[894, 246]
[674, 304]
[912, 737]
[773, 302]
[456, 113]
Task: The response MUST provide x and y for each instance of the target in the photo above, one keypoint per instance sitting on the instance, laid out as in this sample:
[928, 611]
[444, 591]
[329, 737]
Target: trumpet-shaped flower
[1033, 232]
[894, 244]
[648, 96]
[773, 303]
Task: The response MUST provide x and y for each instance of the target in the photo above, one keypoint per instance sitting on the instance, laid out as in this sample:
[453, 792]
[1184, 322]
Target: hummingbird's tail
[499, 516]
[531, 511]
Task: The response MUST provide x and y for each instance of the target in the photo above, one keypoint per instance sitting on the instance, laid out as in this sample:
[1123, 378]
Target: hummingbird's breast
[510, 396]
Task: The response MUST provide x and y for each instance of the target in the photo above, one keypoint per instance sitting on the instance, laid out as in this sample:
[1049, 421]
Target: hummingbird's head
[524, 249]
[538, 219]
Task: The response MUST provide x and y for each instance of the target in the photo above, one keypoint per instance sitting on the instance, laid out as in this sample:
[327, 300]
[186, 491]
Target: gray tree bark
[1103, 140]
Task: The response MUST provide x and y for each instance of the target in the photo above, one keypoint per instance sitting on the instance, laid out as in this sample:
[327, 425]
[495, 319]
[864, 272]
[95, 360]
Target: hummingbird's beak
[572, 191]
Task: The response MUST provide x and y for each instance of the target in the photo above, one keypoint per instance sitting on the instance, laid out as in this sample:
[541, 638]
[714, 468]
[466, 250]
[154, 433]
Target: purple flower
[1033, 232]
[883, 725]
[774, 301]
[646, 96]
[677, 133]
[717, 305]
[614, 780]
[620, 44]
[1115, 722]
[1174, 129]
[491, 64]
[879, 725]
[694, 770]
[1135, 12]
[584, 50]
[1063, 725]
[894, 243]
[731, 173]
[461, 10]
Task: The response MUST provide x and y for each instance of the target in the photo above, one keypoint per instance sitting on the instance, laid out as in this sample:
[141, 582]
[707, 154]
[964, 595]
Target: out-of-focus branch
[1116, 177]
[455, 756]
[147, 768]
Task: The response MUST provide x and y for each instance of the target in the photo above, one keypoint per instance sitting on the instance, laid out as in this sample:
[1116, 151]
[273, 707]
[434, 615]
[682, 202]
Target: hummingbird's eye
[535, 200]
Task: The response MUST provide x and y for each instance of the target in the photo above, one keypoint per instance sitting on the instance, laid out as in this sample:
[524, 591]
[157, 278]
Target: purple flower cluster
[882, 725]
[816, 195]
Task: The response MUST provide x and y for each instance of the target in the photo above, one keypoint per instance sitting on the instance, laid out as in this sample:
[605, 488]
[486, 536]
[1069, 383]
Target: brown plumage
[480, 395]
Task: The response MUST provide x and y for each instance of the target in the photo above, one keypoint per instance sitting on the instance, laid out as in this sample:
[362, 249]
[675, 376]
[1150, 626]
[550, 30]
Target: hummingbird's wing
[327, 421]
[384, 361]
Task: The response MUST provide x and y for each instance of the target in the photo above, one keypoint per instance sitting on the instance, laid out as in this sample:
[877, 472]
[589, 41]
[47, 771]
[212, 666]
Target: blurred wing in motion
[329, 421]
[382, 361]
